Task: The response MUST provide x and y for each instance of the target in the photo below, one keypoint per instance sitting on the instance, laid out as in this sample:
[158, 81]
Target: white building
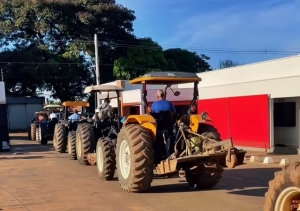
[257, 104]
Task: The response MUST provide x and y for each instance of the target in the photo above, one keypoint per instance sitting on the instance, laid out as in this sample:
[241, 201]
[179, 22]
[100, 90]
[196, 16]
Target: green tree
[187, 61]
[64, 31]
[228, 63]
[146, 57]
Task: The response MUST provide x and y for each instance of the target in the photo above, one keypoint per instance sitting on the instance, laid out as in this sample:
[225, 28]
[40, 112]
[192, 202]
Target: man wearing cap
[162, 104]
[105, 110]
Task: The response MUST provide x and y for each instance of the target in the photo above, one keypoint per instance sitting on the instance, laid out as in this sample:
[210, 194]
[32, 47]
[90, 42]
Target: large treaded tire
[205, 178]
[106, 159]
[60, 138]
[140, 146]
[43, 140]
[72, 145]
[288, 177]
[33, 131]
[85, 142]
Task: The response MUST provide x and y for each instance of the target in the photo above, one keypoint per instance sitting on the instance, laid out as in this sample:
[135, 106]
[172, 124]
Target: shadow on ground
[247, 182]
[22, 157]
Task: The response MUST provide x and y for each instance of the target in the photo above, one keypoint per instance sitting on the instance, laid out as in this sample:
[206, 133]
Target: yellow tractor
[284, 190]
[143, 143]
[64, 132]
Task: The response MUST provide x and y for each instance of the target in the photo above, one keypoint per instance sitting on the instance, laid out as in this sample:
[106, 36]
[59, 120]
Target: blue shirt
[162, 105]
[74, 117]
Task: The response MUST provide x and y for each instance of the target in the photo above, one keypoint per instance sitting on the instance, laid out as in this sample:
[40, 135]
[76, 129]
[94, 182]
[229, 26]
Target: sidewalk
[276, 157]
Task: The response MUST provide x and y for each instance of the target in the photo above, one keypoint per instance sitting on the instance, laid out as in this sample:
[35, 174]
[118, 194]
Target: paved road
[38, 179]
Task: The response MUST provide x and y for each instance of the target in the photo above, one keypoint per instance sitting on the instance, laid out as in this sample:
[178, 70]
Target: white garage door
[17, 117]
[20, 115]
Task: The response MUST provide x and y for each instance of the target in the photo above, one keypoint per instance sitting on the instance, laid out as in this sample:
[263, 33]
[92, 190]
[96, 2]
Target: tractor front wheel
[85, 142]
[72, 145]
[284, 189]
[33, 131]
[135, 158]
[60, 138]
[106, 159]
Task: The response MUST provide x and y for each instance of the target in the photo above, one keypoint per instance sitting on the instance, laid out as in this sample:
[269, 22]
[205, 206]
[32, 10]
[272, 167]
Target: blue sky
[221, 24]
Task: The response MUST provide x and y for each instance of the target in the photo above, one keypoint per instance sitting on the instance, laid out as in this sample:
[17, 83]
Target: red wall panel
[218, 111]
[250, 121]
[245, 119]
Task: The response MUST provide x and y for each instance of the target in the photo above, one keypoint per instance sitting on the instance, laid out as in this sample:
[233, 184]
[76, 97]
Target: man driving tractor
[162, 104]
[104, 111]
[75, 116]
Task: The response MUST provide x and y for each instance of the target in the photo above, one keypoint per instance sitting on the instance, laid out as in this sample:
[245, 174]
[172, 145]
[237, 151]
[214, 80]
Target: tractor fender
[145, 120]
[196, 119]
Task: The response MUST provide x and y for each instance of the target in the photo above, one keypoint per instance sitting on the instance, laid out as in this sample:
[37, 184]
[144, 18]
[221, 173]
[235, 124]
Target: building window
[285, 114]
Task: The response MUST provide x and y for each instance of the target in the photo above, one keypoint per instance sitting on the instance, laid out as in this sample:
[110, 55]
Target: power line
[195, 49]
[102, 64]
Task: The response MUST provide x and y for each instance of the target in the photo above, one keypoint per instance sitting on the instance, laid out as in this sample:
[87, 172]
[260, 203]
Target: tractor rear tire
[106, 159]
[284, 188]
[60, 138]
[33, 131]
[204, 178]
[136, 142]
[85, 142]
[72, 145]
[37, 134]
[42, 135]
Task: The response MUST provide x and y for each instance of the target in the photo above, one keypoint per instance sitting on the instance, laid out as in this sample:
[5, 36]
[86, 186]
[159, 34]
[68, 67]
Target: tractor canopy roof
[75, 103]
[171, 77]
[102, 88]
[53, 106]
[41, 112]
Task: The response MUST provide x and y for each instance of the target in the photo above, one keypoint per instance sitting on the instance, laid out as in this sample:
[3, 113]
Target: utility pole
[2, 76]
[96, 69]
[97, 60]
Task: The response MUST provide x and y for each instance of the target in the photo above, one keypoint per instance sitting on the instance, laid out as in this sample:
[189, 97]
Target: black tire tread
[109, 158]
[86, 132]
[60, 138]
[33, 131]
[142, 158]
[72, 145]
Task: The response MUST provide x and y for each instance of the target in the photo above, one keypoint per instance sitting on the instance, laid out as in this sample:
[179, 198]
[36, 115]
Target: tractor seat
[164, 120]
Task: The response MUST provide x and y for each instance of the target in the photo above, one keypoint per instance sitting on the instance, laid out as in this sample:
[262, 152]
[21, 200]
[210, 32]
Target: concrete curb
[268, 160]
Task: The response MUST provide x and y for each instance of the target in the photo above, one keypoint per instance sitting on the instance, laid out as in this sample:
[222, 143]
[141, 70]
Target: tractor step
[91, 158]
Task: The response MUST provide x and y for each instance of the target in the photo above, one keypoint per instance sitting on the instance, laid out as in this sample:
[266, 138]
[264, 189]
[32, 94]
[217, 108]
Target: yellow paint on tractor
[163, 80]
[146, 120]
[75, 103]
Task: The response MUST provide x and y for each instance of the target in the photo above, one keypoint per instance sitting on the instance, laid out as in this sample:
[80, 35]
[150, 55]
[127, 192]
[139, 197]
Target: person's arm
[173, 107]
[153, 107]
[70, 117]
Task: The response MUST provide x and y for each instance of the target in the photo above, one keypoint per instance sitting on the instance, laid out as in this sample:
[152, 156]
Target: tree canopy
[47, 45]
[187, 61]
[51, 43]
[228, 63]
[147, 57]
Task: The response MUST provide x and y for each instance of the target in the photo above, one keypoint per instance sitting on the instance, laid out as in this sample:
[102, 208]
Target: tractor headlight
[204, 115]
